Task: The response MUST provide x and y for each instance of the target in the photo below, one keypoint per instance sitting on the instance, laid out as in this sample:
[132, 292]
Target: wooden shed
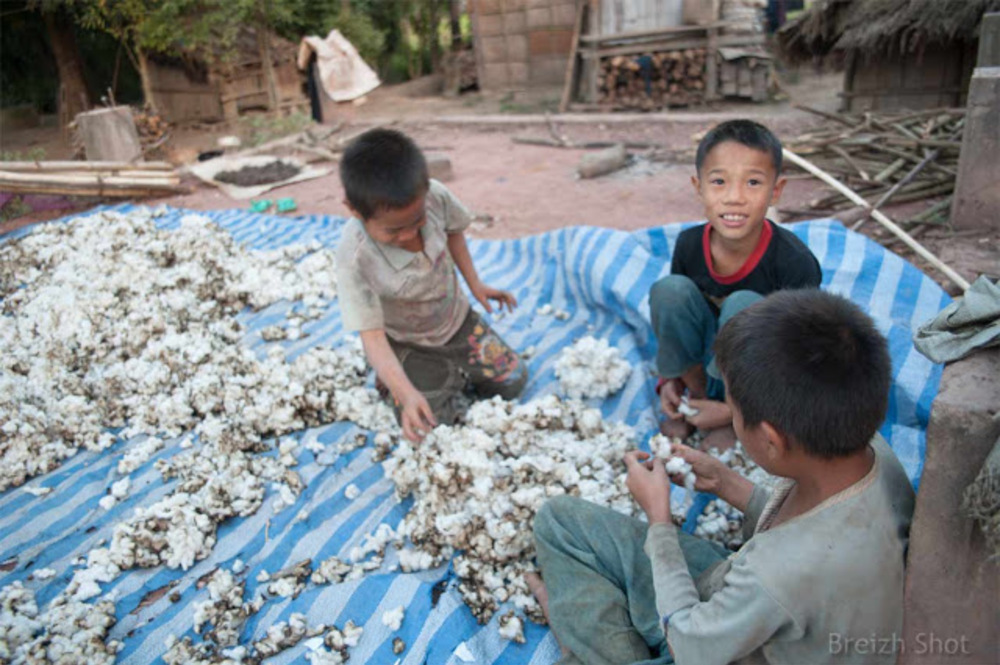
[193, 87]
[899, 54]
[623, 54]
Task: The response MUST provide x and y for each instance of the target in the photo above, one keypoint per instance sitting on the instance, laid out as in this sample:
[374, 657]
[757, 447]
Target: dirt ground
[519, 189]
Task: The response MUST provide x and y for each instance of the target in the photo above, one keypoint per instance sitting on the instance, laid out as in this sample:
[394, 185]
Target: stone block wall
[522, 43]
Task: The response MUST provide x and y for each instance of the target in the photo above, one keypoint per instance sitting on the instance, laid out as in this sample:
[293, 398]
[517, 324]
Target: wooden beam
[567, 93]
[44, 166]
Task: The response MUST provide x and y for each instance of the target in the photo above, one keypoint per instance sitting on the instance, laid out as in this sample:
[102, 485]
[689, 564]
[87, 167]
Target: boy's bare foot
[678, 428]
[537, 587]
[722, 438]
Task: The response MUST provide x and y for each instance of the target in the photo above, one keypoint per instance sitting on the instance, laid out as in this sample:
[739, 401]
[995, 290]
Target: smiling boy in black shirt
[721, 267]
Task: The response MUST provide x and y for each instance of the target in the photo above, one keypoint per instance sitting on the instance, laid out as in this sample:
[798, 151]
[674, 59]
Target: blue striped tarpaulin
[601, 277]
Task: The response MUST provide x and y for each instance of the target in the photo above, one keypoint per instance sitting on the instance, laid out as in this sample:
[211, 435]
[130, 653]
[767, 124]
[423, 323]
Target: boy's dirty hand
[708, 471]
[416, 416]
[711, 414]
[484, 294]
[647, 481]
[670, 397]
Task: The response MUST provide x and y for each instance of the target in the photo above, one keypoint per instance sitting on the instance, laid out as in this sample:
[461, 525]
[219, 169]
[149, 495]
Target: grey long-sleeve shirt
[823, 587]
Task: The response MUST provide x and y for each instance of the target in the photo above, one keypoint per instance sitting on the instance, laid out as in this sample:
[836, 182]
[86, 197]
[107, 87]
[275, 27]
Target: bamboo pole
[879, 217]
[47, 167]
[7, 177]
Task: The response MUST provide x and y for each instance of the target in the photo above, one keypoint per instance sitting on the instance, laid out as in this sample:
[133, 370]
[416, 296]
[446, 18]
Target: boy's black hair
[746, 132]
[811, 364]
[382, 169]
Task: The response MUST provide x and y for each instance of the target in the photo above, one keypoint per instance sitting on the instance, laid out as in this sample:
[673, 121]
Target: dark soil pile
[249, 176]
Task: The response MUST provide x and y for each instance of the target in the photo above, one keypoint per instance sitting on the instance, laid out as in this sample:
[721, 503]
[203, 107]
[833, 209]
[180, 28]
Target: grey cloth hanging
[969, 323]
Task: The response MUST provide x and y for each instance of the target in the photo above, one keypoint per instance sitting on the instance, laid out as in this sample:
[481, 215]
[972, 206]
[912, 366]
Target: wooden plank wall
[179, 99]
[630, 15]
[938, 77]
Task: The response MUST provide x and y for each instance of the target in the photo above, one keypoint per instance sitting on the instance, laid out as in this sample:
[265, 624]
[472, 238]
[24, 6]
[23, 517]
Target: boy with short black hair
[807, 377]
[397, 286]
[719, 268]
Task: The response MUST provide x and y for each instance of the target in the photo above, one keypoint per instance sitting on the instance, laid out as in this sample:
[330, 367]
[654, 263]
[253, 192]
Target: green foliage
[14, 208]
[32, 155]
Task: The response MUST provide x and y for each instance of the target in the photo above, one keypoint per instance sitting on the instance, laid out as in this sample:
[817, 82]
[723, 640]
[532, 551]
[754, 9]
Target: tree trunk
[264, 42]
[455, 9]
[73, 94]
[147, 84]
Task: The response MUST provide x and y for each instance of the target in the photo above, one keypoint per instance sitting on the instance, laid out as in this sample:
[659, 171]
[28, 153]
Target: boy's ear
[696, 183]
[778, 444]
[779, 187]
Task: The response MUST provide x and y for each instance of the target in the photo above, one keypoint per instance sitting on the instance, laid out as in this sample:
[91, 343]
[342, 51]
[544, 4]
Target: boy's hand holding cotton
[670, 396]
[647, 481]
[416, 416]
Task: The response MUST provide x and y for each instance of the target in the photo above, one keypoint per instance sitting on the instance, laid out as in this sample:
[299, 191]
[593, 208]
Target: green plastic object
[286, 205]
[260, 206]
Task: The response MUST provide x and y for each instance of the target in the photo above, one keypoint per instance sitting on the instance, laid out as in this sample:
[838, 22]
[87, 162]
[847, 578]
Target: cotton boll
[590, 368]
[511, 628]
[393, 618]
[685, 408]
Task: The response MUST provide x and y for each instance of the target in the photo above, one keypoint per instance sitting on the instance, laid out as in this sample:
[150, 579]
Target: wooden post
[712, 64]
[591, 64]
[570, 83]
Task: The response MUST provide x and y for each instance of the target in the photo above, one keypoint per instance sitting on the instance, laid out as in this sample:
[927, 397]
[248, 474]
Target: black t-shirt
[780, 261]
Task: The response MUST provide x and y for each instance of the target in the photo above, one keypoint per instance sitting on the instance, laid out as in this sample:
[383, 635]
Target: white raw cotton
[477, 488]
[393, 619]
[110, 320]
[591, 368]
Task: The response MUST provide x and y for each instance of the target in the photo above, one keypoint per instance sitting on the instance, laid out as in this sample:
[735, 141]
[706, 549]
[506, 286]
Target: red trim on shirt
[659, 384]
[751, 262]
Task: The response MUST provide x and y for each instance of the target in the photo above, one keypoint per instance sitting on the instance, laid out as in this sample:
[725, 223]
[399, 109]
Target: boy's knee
[671, 292]
[740, 300]
[551, 514]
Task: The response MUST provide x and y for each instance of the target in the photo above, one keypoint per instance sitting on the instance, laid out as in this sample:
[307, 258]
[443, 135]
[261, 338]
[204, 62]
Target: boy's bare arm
[459, 251]
[416, 418]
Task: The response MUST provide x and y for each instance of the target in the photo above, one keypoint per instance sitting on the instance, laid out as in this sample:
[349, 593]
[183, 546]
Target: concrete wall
[952, 601]
[976, 203]
[522, 43]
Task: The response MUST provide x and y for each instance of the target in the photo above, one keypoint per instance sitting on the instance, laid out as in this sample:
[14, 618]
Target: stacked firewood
[653, 81]
[153, 131]
[887, 158]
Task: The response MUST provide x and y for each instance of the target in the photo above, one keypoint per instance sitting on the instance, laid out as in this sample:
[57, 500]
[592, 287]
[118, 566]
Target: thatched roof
[882, 26]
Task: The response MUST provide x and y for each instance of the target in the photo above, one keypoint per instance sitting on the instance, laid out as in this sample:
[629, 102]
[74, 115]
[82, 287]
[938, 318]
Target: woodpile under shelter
[624, 54]
[259, 72]
[898, 54]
